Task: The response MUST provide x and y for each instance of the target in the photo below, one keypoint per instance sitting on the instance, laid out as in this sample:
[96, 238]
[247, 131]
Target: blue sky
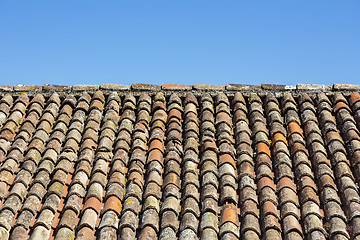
[216, 42]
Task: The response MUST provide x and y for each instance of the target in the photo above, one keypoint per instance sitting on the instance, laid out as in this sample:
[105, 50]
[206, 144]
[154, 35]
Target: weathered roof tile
[26, 88]
[208, 87]
[85, 87]
[113, 86]
[187, 161]
[145, 87]
[167, 86]
[52, 87]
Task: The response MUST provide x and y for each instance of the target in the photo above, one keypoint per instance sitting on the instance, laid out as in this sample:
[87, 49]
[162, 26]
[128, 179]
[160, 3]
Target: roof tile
[319, 87]
[208, 87]
[179, 164]
[339, 86]
[237, 87]
[52, 87]
[278, 87]
[167, 86]
[26, 88]
[145, 87]
[85, 87]
[113, 86]
[6, 88]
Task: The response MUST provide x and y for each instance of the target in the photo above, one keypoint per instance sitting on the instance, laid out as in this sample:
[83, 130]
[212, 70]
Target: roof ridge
[197, 89]
[179, 87]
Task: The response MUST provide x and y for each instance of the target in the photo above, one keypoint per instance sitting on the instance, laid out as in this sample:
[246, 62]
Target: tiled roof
[180, 161]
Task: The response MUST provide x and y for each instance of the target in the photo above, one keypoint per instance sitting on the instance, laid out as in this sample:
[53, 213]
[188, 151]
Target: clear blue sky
[217, 42]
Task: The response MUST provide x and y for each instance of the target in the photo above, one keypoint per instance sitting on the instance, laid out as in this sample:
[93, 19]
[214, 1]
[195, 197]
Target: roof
[151, 162]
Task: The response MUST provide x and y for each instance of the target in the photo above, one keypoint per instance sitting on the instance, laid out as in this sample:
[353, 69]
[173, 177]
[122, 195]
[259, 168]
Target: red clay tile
[263, 148]
[174, 113]
[85, 233]
[159, 115]
[266, 182]
[296, 147]
[249, 207]
[279, 137]
[158, 105]
[306, 181]
[223, 117]
[246, 168]
[97, 104]
[226, 158]
[354, 98]
[263, 159]
[157, 144]
[308, 194]
[286, 182]
[209, 145]
[113, 203]
[229, 214]
[172, 178]
[294, 127]
[94, 204]
[341, 105]
[270, 208]
[148, 233]
[152, 189]
[155, 154]
[239, 115]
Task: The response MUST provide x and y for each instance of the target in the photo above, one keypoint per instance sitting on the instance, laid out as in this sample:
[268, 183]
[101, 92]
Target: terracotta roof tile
[179, 161]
